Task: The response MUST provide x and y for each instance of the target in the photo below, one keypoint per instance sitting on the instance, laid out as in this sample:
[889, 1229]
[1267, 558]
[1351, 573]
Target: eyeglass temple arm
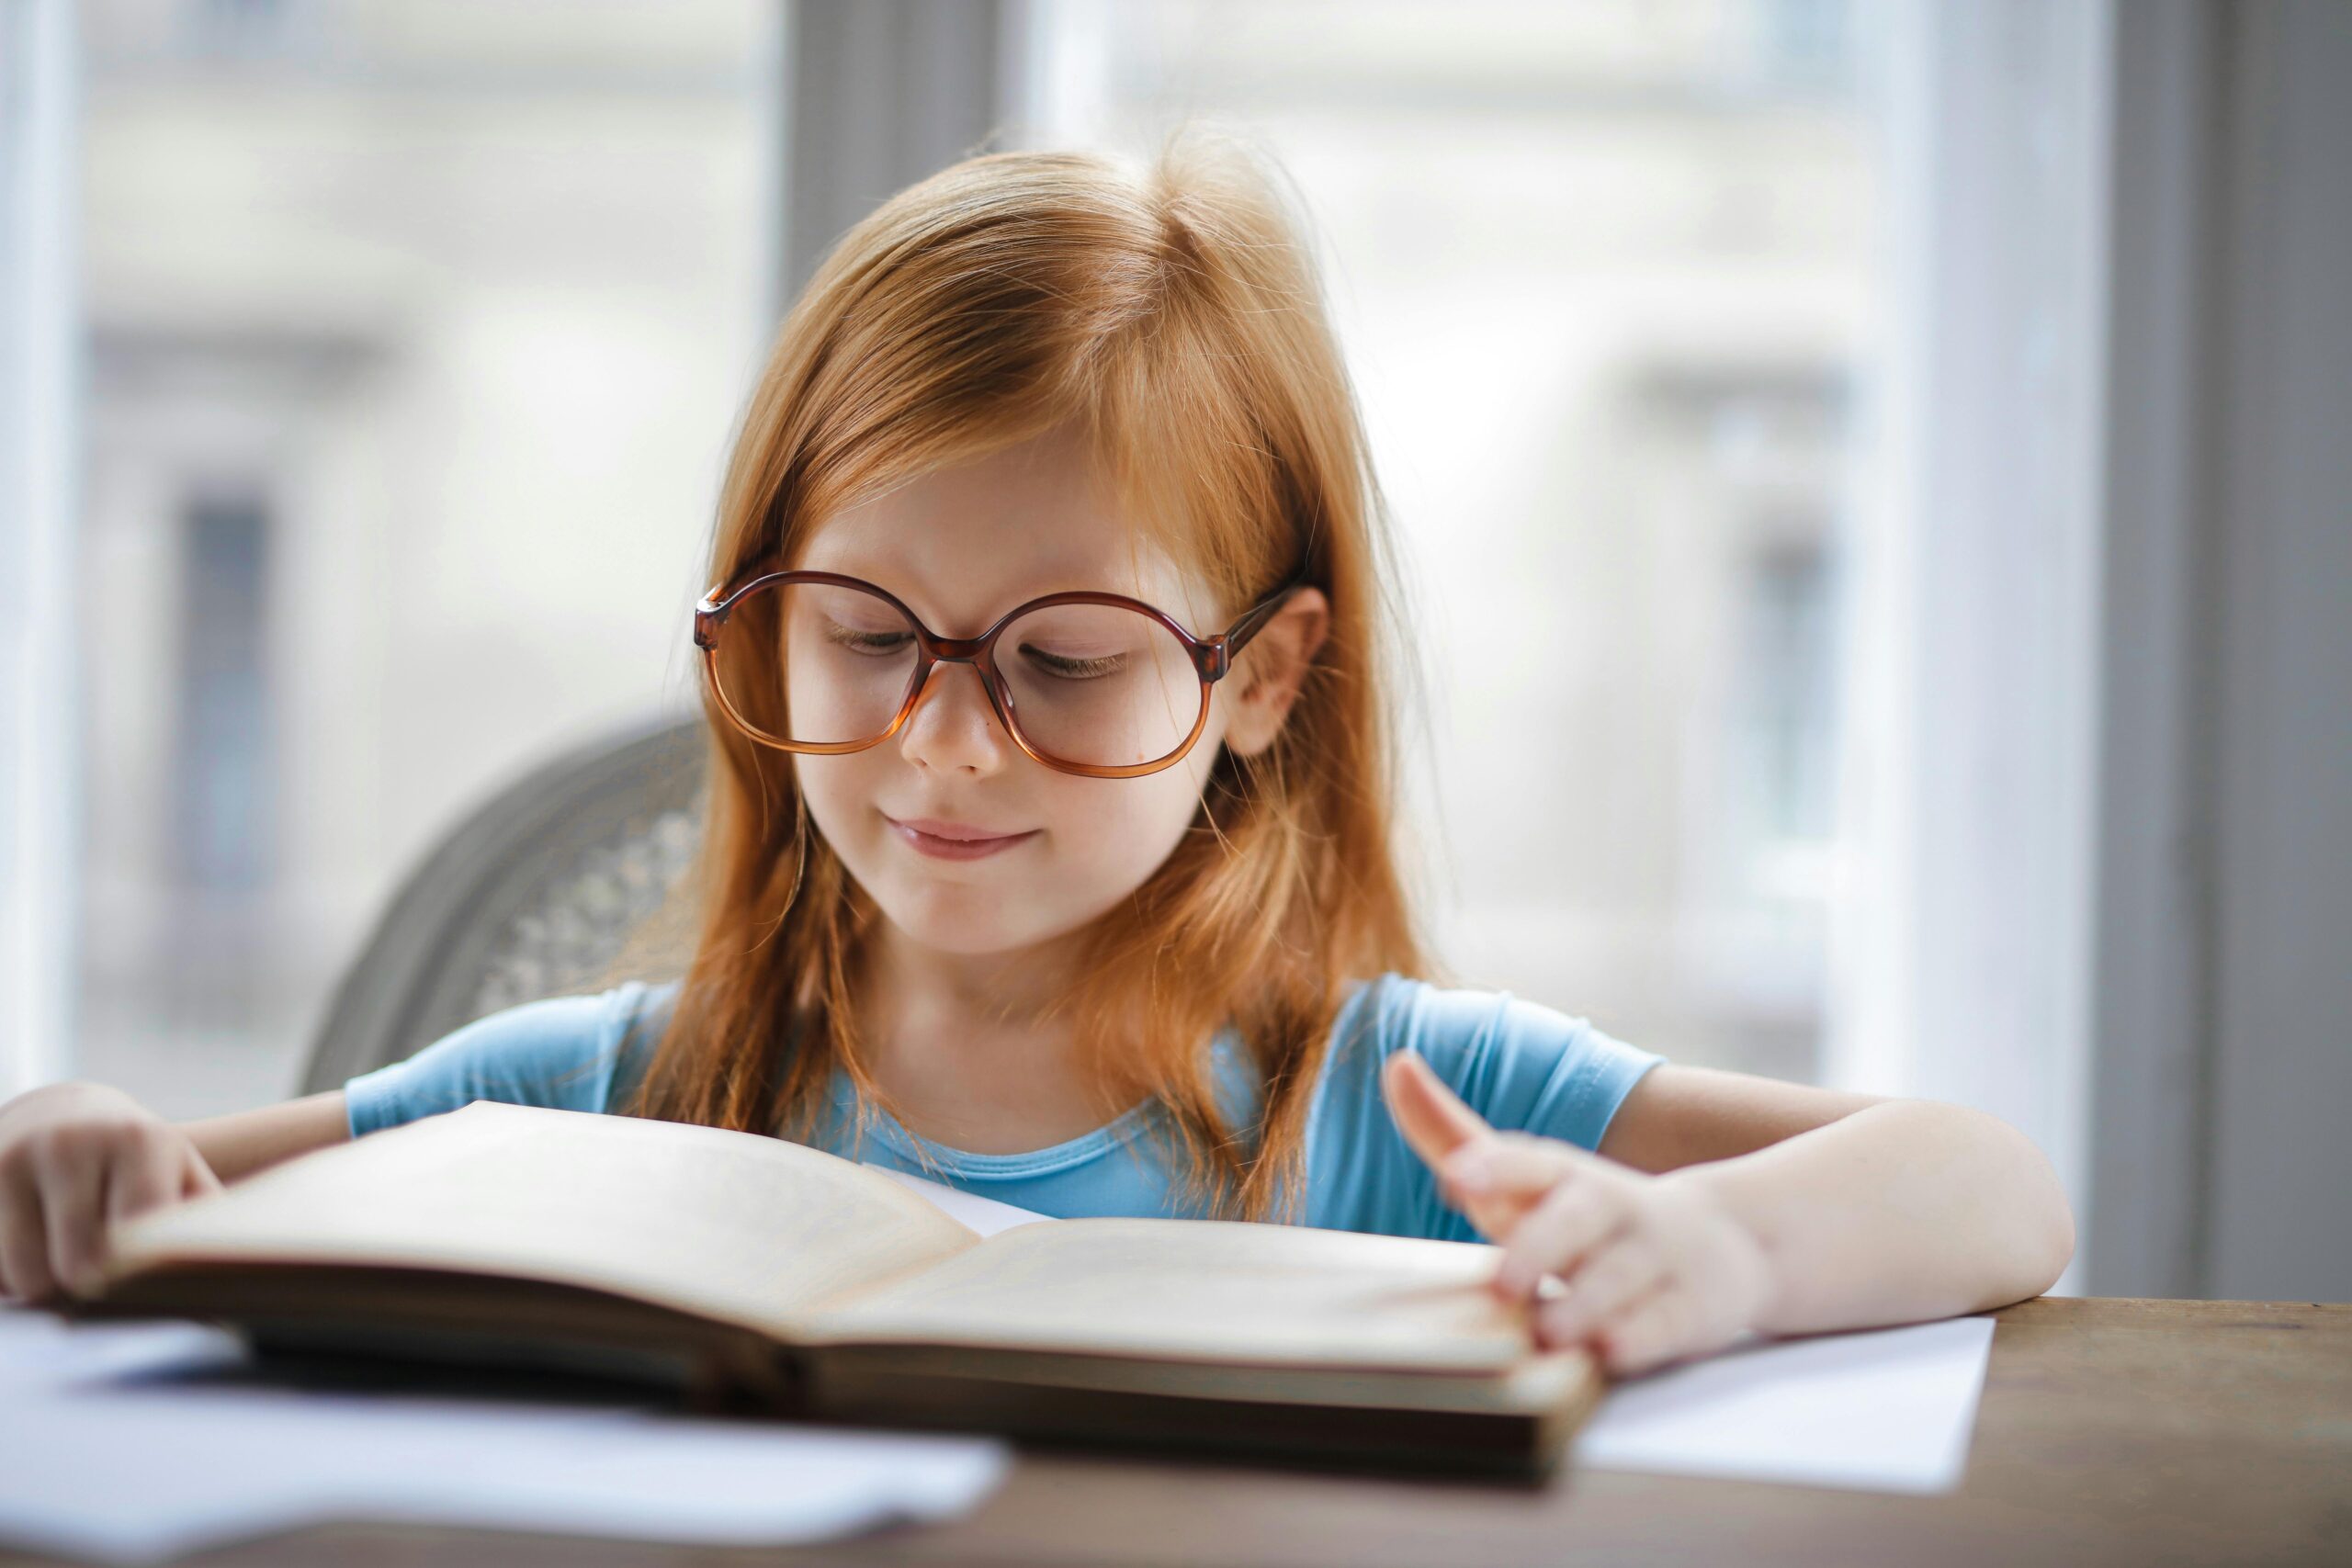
[1237, 636]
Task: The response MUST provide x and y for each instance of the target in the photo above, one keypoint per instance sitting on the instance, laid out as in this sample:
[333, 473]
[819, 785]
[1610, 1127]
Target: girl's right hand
[73, 1158]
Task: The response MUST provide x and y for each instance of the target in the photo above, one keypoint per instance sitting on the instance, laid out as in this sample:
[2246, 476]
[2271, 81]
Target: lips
[939, 839]
[961, 833]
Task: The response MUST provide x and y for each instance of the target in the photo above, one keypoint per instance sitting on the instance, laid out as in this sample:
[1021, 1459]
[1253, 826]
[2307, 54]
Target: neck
[990, 992]
[960, 1044]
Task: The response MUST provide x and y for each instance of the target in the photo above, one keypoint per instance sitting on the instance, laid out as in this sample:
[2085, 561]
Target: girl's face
[959, 547]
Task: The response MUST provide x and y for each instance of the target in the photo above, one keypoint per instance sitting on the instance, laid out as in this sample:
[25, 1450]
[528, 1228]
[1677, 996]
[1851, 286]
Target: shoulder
[578, 1052]
[1520, 1064]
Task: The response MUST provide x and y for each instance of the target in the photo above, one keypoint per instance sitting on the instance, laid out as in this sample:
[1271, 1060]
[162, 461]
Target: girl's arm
[1722, 1203]
[76, 1156]
[1891, 1212]
[243, 1142]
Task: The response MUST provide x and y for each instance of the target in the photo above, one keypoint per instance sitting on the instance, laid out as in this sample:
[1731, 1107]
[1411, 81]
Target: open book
[763, 1274]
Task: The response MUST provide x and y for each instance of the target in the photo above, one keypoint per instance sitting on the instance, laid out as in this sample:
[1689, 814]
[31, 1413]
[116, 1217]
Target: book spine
[749, 1375]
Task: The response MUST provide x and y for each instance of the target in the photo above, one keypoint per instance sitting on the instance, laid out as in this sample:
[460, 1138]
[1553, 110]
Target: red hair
[1172, 312]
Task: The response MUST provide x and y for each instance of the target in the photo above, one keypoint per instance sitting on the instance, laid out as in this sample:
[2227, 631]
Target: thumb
[1433, 1117]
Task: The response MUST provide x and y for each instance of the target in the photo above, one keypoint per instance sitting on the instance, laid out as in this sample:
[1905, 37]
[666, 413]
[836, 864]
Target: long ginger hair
[1173, 313]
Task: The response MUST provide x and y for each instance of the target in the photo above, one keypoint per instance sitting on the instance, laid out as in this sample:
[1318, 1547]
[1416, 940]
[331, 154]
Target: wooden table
[2139, 1432]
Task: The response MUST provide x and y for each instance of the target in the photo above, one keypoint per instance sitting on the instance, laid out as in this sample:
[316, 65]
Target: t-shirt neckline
[910, 1145]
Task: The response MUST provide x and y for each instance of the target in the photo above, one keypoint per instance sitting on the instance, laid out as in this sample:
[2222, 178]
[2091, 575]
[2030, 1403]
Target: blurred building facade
[417, 336]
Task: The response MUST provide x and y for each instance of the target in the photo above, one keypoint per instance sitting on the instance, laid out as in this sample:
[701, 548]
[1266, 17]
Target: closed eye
[858, 642]
[1068, 669]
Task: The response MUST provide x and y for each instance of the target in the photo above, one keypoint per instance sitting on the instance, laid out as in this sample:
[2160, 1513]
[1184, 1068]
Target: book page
[1201, 1289]
[729, 1226]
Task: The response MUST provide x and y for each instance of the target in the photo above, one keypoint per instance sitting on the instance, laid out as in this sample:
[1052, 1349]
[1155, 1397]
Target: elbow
[2058, 1245]
[2024, 1221]
[2042, 1234]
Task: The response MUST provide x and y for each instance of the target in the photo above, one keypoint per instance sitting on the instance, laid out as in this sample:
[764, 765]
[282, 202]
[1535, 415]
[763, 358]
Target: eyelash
[1078, 669]
[892, 642]
[856, 641]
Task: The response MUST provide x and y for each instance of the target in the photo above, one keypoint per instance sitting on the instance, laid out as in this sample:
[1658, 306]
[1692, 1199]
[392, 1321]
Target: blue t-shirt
[1520, 1065]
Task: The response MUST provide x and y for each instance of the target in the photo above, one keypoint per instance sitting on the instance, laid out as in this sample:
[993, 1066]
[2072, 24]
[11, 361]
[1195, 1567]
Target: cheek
[835, 792]
[1117, 832]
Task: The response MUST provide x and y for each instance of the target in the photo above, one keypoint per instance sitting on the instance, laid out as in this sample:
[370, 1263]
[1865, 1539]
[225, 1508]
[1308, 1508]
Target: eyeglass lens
[1100, 685]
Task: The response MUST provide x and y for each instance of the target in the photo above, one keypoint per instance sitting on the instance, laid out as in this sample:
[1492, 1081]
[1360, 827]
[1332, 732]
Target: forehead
[963, 544]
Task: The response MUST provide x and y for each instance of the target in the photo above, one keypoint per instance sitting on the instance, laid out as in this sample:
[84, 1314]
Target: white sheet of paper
[1887, 1410]
[97, 1463]
[1882, 1410]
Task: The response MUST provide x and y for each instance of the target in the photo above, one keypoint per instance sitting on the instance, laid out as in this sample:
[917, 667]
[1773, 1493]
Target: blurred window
[222, 759]
[417, 328]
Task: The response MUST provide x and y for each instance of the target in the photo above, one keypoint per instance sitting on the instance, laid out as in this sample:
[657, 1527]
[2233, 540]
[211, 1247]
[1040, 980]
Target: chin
[939, 919]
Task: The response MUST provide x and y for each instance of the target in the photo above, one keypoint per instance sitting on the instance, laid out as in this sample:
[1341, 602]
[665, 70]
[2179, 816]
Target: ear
[1267, 677]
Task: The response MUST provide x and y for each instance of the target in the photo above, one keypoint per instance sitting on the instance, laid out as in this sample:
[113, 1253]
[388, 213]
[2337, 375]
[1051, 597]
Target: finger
[1498, 1208]
[71, 1207]
[1574, 1220]
[1432, 1116]
[1612, 1275]
[1513, 1163]
[24, 1241]
[145, 1177]
[196, 1178]
[1495, 1215]
[1647, 1332]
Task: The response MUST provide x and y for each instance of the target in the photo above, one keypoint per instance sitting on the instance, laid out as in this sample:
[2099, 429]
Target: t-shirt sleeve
[1523, 1066]
[567, 1053]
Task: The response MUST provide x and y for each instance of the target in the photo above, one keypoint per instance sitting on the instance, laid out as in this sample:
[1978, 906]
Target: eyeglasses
[1097, 685]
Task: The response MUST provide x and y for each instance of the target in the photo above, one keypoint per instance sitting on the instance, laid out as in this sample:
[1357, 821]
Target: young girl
[1048, 849]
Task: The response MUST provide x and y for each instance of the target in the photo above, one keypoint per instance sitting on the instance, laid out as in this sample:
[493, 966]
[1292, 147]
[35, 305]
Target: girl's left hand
[1656, 1267]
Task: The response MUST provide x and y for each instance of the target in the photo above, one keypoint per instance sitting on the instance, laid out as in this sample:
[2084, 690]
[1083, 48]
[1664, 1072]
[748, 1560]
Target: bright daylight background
[1734, 368]
[404, 442]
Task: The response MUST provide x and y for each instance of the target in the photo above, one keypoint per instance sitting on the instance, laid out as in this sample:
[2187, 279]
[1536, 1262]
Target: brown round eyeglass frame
[1212, 659]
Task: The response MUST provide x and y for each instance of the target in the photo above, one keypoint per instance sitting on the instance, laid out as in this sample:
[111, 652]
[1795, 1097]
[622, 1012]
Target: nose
[954, 729]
